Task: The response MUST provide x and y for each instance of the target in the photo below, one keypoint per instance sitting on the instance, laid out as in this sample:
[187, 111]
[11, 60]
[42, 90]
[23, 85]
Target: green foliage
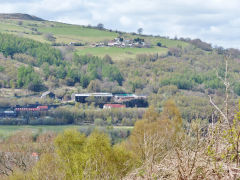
[154, 136]
[144, 71]
[214, 84]
[73, 115]
[98, 122]
[28, 78]
[212, 81]
[232, 138]
[46, 70]
[188, 80]
[97, 68]
[92, 157]
[10, 45]
[61, 72]
[49, 167]
[70, 146]
[1, 68]
[113, 74]
[227, 136]
[181, 81]
[74, 74]
[137, 84]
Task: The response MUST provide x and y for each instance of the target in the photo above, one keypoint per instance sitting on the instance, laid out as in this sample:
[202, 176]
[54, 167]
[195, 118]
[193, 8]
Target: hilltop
[19, 16]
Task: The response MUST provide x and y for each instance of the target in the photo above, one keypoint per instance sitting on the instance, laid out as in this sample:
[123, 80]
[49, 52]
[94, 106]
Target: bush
[49, 37]
[99, 122]
[159, 44]
[175, 52]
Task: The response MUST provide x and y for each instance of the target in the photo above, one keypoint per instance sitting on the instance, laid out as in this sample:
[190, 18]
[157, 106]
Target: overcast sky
[214, 21]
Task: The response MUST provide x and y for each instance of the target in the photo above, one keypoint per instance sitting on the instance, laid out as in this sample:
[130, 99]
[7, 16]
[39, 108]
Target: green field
[66, 33]
[154, 40]
[8, 130]
[120, 53]
[63, 32]
[73, 33]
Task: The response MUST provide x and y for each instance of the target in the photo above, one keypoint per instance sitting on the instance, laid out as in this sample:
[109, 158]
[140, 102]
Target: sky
[214, 21]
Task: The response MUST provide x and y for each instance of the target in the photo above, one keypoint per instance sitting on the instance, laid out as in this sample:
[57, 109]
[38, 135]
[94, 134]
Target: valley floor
[7, 130]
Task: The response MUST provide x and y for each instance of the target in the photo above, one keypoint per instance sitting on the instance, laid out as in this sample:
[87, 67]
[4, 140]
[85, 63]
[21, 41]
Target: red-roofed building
[109, 106]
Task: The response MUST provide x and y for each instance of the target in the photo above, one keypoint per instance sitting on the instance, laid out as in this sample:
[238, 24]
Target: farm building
[131, 100]
[83, 98]
[110, 106]
[126, 97]
[128, 100]
[48, 94]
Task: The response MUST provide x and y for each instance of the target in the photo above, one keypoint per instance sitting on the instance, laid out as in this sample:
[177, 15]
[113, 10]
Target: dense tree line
[28, 78]
[189, 80]
[84, 70]
[78, 116]
[81, 69]
[97, 68]
[10, 45]
[72, 155]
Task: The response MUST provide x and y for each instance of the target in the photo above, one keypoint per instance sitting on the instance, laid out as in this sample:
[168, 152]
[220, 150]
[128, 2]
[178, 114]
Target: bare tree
[224, 113]
[225, 136]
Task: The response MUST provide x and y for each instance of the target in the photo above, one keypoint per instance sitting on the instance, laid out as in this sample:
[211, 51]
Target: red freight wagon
[27, 109]
[39, 108]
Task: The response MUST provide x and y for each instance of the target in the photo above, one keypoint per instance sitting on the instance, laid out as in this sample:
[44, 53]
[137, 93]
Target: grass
[6, 27]
[63, 32]
[75, 33]
[154, 40]
[70, 33]
[7, 130]
[66, 33]
[120, 53]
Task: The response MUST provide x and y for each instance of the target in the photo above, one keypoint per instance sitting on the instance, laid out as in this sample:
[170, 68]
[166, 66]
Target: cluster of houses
[121, 43]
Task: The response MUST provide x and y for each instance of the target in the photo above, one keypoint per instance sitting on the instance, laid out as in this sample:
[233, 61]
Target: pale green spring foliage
[79, 157]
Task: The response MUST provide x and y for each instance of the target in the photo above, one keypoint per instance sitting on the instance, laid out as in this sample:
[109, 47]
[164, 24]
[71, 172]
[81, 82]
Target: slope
[182, 69]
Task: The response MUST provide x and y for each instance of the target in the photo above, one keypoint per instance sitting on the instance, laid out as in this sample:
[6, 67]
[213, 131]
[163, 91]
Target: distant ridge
[19, 16]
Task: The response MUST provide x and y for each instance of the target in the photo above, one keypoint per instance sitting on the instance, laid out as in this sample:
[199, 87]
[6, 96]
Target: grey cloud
[215, 21]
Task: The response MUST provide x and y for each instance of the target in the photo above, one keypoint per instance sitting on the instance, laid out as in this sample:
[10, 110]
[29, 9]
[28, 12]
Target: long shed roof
[95, 94]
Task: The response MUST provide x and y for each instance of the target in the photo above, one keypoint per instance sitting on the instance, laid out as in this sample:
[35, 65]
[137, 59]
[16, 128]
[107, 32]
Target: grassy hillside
[185, 70]
[67, 33]
[120, 54]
